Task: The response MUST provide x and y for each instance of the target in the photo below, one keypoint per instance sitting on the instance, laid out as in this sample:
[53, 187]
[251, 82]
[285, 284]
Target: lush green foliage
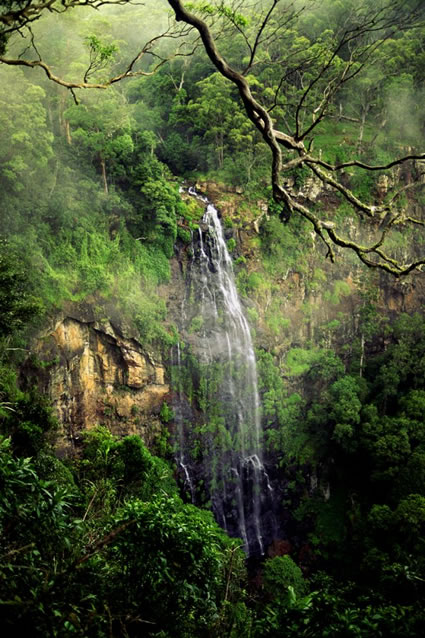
[98, 220]
[372, 429]
[106, 544]
[102, 545]
[16, 302]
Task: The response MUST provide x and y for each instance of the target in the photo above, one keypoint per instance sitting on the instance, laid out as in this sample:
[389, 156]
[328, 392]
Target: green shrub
[279, 574]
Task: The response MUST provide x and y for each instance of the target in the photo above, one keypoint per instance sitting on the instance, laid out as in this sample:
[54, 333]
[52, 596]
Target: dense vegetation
[103, 544]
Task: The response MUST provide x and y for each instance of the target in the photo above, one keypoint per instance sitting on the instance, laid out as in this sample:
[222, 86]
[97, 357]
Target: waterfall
[179, 420]
[219, 370]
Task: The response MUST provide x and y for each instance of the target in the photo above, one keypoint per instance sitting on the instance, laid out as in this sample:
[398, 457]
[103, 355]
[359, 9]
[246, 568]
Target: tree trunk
[362, 347]
[365, 110]
[104, 178]
[68, 132]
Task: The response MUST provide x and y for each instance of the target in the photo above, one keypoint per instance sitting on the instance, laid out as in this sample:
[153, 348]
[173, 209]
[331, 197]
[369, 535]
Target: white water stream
[232, 465]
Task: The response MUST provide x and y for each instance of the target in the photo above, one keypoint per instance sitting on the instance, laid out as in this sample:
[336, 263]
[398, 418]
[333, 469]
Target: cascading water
[224, 451]
[179, 421]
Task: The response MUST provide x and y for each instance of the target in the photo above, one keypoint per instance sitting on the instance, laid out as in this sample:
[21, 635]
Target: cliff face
[93, 374]
[314, 292]
[97, 372]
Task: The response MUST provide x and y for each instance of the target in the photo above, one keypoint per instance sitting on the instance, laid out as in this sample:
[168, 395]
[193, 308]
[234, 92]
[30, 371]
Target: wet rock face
[95, 375]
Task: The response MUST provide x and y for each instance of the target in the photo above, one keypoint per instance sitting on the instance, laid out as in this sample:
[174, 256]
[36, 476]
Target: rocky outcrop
[316, 301]
[95, 375]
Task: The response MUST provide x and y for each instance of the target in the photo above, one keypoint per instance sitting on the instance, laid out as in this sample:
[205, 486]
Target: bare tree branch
[129, 72]
[373, 255]
[368, 167]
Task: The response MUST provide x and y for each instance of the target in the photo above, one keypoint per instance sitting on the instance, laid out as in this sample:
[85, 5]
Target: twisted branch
[276, 139]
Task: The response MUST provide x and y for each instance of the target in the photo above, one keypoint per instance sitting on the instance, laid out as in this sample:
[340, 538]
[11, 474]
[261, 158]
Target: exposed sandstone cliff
[94, 375]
